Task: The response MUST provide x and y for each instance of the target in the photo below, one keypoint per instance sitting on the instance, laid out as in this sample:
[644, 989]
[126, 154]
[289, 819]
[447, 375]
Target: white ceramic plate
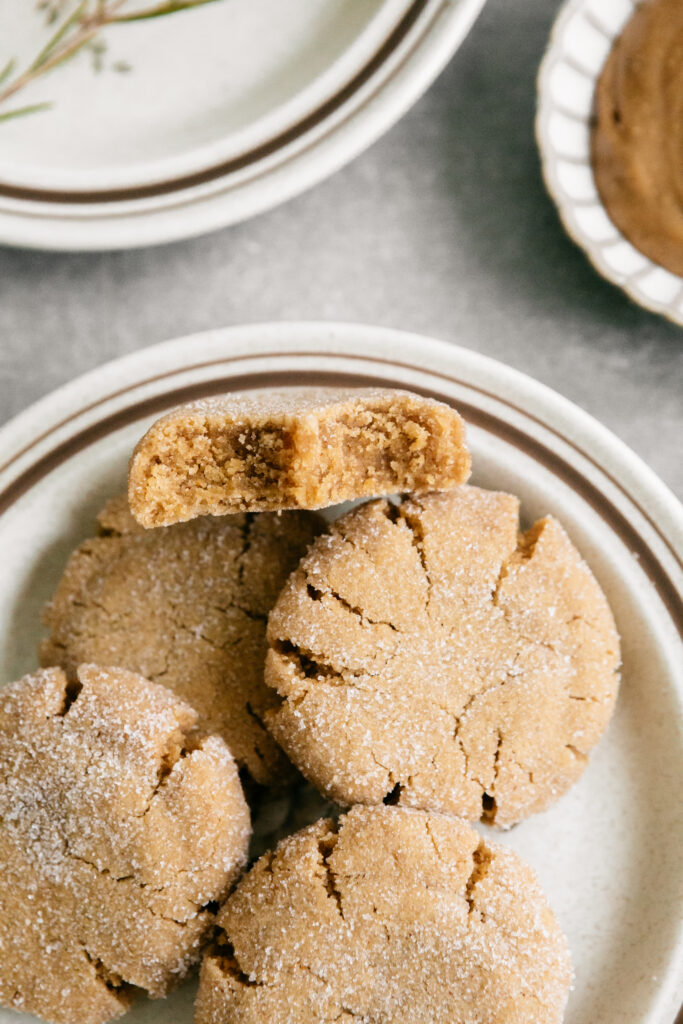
[608, 853]
[226, 110]
[579, 44]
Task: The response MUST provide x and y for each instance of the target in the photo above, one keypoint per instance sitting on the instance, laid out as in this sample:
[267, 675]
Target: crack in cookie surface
[433, 646]
[120, 831]
[436, 925]
[186, 606]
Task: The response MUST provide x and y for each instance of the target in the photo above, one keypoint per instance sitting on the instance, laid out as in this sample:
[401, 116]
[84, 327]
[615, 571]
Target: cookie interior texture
[303, 448]
[120, 829]
[431, 655]
[184, 606]
[391, 915]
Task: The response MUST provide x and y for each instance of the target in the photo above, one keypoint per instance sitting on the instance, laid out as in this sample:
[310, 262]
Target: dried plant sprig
[77, 30]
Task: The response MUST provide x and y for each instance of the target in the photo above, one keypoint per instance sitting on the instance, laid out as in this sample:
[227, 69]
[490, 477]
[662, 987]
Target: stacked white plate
[224, 111]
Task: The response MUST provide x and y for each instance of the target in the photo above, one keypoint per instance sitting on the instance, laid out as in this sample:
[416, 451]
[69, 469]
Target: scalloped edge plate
[580, 42]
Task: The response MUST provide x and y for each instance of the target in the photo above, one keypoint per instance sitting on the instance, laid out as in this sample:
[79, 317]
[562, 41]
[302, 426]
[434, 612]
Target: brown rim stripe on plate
[648, 560]
[247, 159]
[223, 361]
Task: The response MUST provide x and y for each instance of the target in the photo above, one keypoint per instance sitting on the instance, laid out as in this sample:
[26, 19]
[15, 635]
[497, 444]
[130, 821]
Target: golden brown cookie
[185, 607]
[391, 915]
[429, 654]
[117, 834]
[302, 448]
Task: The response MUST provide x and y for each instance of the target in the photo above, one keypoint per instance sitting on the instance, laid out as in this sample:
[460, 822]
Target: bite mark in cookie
[302, 448]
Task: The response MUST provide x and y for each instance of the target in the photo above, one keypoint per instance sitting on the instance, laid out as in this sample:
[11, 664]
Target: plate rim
[618, 465]
[98, 226]
[348, 341]
[323, 335]
[364, 45]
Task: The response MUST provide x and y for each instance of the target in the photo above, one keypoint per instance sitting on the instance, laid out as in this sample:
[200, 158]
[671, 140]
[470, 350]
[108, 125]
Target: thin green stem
[60, 56]
[54, 41]
[32, 108]
[77, 30]
[159, 11]
[7, 70]
[61, 47]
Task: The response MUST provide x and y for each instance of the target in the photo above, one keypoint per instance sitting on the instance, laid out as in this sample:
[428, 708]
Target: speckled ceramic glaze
[608, 853]
[581, 40]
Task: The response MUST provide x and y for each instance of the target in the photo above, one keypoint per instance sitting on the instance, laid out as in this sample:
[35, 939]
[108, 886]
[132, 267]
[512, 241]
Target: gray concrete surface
[442, 227]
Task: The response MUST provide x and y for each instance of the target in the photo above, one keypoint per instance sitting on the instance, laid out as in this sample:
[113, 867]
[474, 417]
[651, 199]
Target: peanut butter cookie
[302, 448]
[391, 915]
[429, 654]
[185, 607]
[118, 831]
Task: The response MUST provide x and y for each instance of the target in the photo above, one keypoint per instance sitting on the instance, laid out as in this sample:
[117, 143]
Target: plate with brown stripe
[168, 126]
[608, 852]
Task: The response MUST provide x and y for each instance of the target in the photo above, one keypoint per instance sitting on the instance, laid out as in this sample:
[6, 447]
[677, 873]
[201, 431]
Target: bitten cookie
[302, 448]
[391, 915]
[116, 838]
[185, 607]
[428, 654]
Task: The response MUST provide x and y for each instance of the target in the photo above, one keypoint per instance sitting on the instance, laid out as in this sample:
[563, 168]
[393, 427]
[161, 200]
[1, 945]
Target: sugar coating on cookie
[392, 915]
[301, 448]
[429, 654]
[184, 606]
[119, 831]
